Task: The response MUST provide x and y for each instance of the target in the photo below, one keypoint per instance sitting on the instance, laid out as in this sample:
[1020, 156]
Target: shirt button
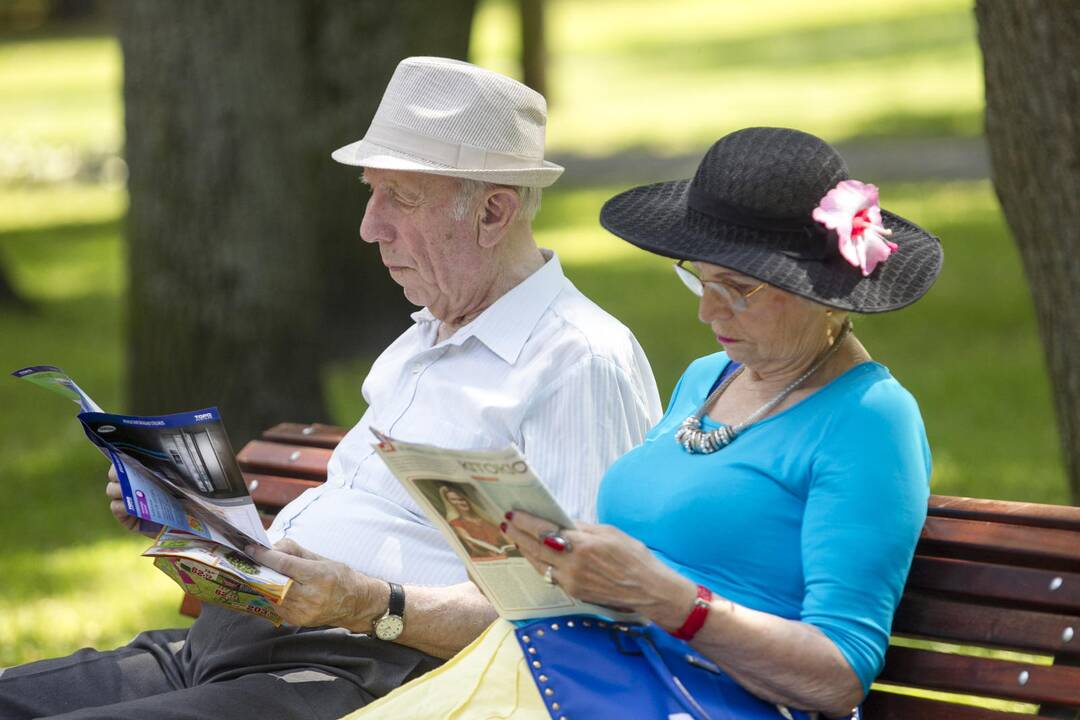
[416, 368]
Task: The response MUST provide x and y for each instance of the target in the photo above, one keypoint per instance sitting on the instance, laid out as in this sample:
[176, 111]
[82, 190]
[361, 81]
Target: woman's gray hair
[469, 190]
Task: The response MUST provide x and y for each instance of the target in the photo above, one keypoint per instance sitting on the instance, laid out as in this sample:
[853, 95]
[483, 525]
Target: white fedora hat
[448, 117]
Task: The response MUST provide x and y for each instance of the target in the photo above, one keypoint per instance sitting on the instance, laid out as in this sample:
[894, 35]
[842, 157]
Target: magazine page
[141, 496]
[196, 483]
[256, 578]
[215, 574]
[211, 585]
[465, 494]
[56, 380]
[178, 474]
[177, 471]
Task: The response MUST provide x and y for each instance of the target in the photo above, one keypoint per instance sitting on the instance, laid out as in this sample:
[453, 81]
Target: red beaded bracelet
[697, 615]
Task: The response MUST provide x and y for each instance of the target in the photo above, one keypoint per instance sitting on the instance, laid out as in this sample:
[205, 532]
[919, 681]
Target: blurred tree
[246, 270]
[30, 15]
[1031, 60]
[533, 45]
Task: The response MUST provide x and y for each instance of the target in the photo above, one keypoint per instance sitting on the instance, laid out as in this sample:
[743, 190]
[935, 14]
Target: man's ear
[497, 214]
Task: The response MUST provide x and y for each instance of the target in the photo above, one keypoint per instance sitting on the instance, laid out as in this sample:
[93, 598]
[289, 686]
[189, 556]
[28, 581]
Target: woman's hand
[604, 565]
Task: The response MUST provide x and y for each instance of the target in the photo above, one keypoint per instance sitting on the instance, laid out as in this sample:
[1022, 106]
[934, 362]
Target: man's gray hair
[469, 190]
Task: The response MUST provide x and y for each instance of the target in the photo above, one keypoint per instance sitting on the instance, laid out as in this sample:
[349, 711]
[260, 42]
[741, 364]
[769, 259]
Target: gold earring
[828, 328]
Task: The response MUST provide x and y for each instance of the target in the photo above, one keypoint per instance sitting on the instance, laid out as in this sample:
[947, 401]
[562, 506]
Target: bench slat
[273, 492]
[1002, 583]
[937, 619]
[259, 456]
[979, 540]
[982, 676]
[313, 434]
[190, 606]
[1062, 517]
[881, 705]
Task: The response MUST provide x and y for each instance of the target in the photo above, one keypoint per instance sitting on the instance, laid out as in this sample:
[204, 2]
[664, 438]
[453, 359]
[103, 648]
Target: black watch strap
[397, 600]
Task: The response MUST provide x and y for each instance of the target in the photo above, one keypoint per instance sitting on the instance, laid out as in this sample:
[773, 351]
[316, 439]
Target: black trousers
[227, 665]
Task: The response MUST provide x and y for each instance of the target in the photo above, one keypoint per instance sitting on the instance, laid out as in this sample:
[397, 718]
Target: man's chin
[413, 297]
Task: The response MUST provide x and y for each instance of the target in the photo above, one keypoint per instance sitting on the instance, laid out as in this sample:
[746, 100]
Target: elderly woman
[769, 520]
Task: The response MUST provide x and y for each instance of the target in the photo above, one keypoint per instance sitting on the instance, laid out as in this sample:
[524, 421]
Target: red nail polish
[503, 526]
[510, 515]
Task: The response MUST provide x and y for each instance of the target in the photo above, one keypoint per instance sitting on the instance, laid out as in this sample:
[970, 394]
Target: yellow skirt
[488, 680]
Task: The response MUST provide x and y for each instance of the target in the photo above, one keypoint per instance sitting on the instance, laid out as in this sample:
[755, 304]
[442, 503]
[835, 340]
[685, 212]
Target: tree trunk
[533, 45]
[246, 267]
[1031, 57]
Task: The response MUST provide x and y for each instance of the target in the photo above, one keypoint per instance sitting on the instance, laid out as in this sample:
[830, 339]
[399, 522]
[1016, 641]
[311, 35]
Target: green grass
[627, 74]
[623, 74]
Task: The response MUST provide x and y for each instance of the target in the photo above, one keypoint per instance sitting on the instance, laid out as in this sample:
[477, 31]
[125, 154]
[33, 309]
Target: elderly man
[505, 350]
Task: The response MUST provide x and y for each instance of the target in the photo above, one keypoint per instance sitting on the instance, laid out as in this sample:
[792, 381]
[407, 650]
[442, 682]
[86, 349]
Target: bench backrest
[1003, 576]
[988, 576]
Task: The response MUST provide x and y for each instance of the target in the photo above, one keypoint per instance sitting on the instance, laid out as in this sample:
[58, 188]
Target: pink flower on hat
[851, 209]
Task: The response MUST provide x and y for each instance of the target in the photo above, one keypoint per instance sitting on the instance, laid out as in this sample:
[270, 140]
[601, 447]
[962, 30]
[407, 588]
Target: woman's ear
[498, 213]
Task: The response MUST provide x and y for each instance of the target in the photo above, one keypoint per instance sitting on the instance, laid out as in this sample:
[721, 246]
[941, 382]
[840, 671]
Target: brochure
[212, 571]
[179, 476]
[465, 494]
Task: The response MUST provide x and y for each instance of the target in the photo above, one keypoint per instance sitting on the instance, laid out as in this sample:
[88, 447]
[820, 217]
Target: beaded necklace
[696, 441]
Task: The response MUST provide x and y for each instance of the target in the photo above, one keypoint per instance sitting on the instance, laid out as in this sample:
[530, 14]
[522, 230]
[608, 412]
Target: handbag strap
[644, 640]
[671, 680]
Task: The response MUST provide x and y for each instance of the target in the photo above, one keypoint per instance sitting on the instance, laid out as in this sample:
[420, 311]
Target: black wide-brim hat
[748, 208]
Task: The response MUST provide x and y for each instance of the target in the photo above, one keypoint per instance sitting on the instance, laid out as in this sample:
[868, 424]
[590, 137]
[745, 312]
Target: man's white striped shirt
[543, 367]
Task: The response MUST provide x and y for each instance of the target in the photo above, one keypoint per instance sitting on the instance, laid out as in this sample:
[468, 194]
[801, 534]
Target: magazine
[465, 494]
[179, 477]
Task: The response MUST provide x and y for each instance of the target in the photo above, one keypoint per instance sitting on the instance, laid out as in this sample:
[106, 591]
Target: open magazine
[179, 477]
[465, 493]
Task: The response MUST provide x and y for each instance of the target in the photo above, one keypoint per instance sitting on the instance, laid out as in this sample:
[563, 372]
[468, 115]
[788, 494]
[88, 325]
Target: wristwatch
[392, 623]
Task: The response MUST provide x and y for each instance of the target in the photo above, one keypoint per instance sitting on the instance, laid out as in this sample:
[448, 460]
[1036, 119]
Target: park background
[638, 90]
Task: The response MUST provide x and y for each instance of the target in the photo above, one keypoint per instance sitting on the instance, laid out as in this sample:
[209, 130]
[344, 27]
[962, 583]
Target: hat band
[809, 240]
[458, 156]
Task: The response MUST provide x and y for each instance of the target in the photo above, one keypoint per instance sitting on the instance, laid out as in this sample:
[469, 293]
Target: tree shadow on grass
[65, 261]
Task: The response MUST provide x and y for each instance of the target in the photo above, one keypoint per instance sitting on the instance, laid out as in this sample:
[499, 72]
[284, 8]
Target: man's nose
[373, 227]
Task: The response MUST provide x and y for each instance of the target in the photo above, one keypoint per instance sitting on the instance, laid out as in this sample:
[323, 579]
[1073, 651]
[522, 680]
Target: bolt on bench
[987, 574]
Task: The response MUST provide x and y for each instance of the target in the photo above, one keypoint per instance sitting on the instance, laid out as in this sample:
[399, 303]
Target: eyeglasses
[735, 297]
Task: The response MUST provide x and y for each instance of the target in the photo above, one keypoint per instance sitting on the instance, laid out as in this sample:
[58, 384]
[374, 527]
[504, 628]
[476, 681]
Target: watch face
[389, 627]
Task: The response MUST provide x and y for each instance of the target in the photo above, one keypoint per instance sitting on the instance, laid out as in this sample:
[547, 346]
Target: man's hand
[324, 592]
[116, 502]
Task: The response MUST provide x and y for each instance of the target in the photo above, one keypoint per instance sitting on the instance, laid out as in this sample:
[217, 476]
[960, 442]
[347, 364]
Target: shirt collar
[509, 321]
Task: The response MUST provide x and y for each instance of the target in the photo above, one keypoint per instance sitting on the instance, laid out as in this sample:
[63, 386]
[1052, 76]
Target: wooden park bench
[987, 575]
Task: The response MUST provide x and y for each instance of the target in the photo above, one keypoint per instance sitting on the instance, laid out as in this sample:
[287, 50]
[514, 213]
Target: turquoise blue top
[810, 514]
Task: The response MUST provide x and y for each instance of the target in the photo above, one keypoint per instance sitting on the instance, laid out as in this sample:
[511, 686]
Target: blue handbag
[586, 667]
